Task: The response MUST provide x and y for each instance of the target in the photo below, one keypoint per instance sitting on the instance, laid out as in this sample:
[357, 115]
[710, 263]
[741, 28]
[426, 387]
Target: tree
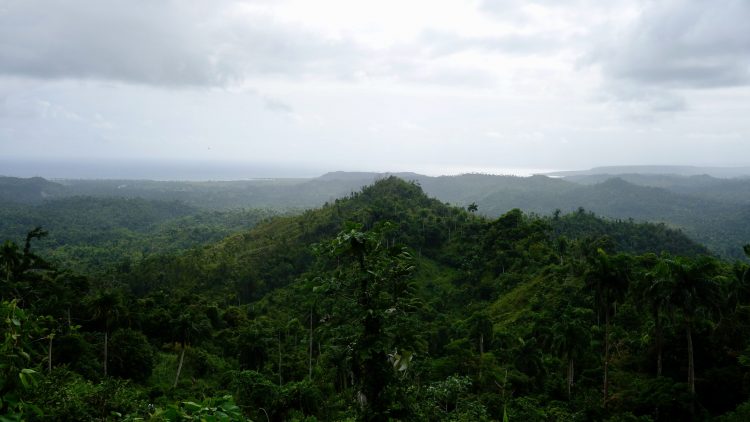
[131, 356]
[608, 277]
[694, 292]
[106, 307]
[187, 325]
[655, 286]
[571, 338]
[17, 371]
[374, 277]
[10, 261]
[16, 266]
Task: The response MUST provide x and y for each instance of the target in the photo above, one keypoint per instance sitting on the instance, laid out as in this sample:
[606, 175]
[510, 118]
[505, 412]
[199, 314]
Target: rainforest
[381, 304]
[375, 210]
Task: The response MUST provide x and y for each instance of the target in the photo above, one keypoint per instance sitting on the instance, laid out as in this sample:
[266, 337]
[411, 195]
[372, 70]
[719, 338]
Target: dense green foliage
[384, 305]
[91, 235]
[631, 237]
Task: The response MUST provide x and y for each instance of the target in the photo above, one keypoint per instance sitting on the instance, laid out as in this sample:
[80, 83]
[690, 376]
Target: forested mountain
[386, 304]
[723, 172]
[711, 211]
[703, 186]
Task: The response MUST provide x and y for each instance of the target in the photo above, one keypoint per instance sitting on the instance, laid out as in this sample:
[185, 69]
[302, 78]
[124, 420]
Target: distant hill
[725, 172]
[28, 191]
[736, 190]
[363, 175]
[716, 224]
[626, 235]
[710, 210]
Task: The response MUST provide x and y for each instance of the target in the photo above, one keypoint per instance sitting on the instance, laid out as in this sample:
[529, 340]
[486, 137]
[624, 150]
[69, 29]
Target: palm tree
[655, 290]
[694, 292]
[186, 327]
[608, 277]
[106, 307]
[571, 338]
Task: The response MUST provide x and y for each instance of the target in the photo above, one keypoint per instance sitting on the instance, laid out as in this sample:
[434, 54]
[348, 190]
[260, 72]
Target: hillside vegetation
[91, 234]
[386, 305]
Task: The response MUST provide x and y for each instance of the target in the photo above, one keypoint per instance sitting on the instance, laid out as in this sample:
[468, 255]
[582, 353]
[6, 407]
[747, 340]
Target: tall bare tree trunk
[106, 339]
[691, 364]
[309, 359]
[606, 357]
[571, 375]
[481, 353]
[659, 345]
[49, 354]
[179, 366]
[280, 357]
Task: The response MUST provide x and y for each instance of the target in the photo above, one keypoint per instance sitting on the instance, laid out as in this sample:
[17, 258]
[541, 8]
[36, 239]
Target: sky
[432, 86]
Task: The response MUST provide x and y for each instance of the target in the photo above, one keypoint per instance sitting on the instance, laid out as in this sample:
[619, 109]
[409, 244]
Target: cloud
[682, 44]
[160, 42]
[641, 104]
[146, 42]
[277, 106]
[438, 43]
[171, 43]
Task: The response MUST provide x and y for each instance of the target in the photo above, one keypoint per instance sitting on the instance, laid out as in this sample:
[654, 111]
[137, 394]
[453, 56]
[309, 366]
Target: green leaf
[24, 380]
[192, 406]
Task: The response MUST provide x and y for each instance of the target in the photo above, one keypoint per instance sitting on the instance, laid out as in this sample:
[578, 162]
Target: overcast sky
[432, 86]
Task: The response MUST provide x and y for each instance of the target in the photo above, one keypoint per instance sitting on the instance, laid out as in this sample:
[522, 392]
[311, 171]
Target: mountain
[710, 210]
[28, 191]
[487, 296]
[392, 303]
[273, 254]
[724, 172]
[254, 262]
[736, 190]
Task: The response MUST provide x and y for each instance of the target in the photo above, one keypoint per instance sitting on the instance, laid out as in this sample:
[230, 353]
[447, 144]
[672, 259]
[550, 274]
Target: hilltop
[276, 252]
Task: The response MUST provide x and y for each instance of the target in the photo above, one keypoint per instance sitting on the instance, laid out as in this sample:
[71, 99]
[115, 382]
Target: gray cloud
[121, 40]
[158, 42]
[175, 43]
[263, 46]
[682, 44]
[641, 104]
